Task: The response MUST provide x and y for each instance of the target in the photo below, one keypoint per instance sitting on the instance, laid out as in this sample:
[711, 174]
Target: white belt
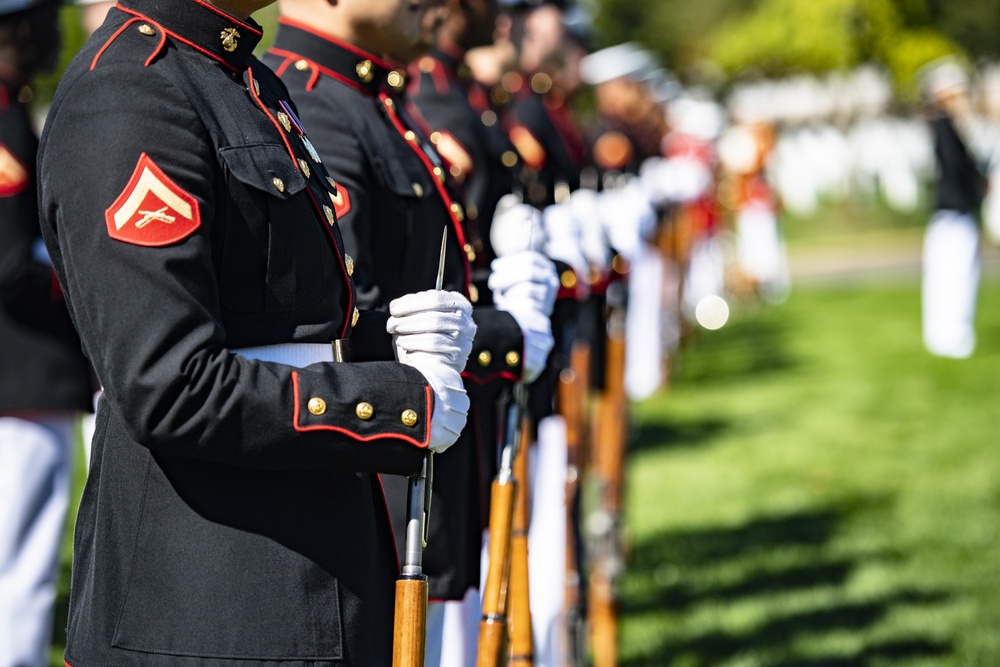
[299, 355]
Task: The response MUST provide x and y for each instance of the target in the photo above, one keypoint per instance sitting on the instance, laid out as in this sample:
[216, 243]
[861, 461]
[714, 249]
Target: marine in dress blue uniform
[233, 512]
[400, 199]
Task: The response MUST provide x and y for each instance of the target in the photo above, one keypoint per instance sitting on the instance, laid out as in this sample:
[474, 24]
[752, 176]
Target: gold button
[417, 190]
[457, 210]
[489, 118]
[365, 411]
[302, 65]
[279, 184]
[472, 212]
[541, 83]
[484, 358]
[410, 135]
[470, 253]
[512, 359]
[388, 103]
[349, 262]
[439, 172]
[473, 294]
[305, 168]
[285, 122]
[409, 418]
[355, 318]
[316, 405]
[509, 159]
[364, 70]
[435, 137]
[568, 279]
[427, 64]
[330, 217]
[396, 80]
[146, 29]
[620, 265]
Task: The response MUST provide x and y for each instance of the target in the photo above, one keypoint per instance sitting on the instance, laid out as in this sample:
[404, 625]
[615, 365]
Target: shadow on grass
[668, 574]
[676, 435]
[750, 347]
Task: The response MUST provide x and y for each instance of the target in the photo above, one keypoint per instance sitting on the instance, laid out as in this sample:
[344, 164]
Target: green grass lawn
[815, 489]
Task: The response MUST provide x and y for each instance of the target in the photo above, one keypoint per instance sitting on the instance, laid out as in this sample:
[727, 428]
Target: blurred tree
[974, 24]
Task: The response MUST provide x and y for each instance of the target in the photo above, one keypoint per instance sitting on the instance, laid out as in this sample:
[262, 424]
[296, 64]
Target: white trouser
[950, 284]
[35, 454]
[453, 631]
[643, 338]
[547, 544]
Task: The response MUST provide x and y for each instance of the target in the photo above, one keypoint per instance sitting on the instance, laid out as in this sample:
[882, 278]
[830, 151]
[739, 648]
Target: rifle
[572, 397]
[522, 653]
[409, 640]
[605, 523]
[493, 630]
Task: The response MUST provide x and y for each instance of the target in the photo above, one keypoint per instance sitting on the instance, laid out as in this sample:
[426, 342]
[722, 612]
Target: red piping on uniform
[502, 375]
[440, 77]
[229, 17]
[281, 68]
[363, 438]
[317, 69]
[460, 236]
[113, 37]
[194, 46]
[159, 47]
[342, 44]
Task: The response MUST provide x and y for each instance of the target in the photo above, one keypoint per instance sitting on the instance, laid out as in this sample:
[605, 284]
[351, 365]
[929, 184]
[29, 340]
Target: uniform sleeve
[27, 286]
[337, 142]
[497, 353]
[149, 314]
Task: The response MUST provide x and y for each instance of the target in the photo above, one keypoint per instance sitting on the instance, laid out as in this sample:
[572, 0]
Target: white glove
[593, 240]
[563, 230]
[525, 285]
[628, 218]
[679, 179]
[516, 227]
[433, 333]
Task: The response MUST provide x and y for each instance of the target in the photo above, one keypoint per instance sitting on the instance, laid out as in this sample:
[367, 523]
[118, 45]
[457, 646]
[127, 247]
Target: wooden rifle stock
[609, 459]
[493, 630]
[572, 397]
[522, 647]
[410, 623]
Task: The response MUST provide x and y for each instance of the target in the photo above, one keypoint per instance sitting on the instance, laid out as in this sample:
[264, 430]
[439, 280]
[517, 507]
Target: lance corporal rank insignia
[14, 175]
[152, 210]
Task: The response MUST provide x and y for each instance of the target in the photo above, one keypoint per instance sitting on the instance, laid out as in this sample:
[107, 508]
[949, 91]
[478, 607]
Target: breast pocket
[272, 240]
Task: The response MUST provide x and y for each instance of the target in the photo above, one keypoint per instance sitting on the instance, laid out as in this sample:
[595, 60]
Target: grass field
[816, 490]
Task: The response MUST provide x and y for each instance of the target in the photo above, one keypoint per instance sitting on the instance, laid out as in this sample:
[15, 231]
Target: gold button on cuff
[568, 279]
[457, 210]
[278, 184]
[355, 317]
[364, 411]
[364, 70]
[283, 119]
[484, 358]
[512, 359]
[316, 405]
[306, 171]
[302, 65]
[146, 29]
[418, 190]
[328, 212]
[349, 262]
[409, 418]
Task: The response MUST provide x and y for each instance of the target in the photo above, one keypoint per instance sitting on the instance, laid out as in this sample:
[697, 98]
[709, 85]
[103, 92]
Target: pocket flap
[263, 166]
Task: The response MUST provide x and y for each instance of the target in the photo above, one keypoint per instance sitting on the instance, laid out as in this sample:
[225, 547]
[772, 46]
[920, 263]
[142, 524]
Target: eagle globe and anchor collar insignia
[215, 33]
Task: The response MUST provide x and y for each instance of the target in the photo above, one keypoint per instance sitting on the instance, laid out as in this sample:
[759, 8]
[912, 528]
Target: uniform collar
[203, 26]
[346, 63]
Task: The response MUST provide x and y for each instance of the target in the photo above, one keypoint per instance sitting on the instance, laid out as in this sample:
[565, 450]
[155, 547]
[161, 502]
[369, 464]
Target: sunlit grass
[817, 490]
